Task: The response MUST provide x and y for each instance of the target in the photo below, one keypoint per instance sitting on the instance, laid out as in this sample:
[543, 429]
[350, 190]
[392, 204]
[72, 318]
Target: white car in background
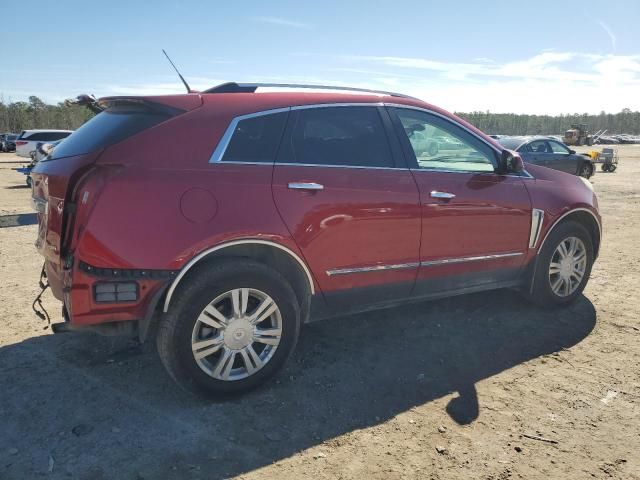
[28, 140]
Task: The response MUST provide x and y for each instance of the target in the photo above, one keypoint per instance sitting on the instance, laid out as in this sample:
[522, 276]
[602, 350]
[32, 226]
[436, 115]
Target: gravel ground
[447, 389]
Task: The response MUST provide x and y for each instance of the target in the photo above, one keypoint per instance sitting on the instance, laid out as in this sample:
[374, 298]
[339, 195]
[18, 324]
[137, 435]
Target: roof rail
[233, 87]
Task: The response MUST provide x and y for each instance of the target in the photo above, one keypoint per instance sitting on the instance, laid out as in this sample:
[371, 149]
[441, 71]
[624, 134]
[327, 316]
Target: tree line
[18, 116]
[625, 121]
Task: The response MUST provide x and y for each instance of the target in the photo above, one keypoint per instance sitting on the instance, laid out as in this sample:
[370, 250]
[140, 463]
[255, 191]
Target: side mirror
[572, 152]
[510, 162]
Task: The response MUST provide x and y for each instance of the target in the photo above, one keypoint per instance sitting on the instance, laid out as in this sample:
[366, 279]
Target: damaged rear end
[67, 186]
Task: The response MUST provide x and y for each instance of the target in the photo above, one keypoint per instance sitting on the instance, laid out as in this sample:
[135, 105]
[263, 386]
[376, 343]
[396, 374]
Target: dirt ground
[439, 390]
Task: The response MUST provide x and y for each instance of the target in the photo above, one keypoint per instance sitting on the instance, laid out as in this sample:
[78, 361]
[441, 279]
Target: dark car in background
[8, 142]
[549, 152]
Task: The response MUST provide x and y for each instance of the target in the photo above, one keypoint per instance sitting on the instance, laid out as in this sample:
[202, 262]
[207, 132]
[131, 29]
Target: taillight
[21, 142]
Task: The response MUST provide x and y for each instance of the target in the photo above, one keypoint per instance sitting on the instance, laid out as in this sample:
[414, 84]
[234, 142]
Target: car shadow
[18, 220]
[348, 373]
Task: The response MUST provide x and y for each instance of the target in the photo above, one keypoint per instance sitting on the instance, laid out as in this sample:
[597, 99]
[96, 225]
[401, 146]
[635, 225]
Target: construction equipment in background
[579, 135]
[608, 157]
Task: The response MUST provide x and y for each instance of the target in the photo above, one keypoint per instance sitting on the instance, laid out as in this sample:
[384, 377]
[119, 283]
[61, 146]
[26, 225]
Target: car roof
[235, 99]
[516, 141]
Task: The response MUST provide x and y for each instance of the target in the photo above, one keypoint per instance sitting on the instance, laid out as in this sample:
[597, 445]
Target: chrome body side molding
[372, 268]
[478, 258]
[427, 263]
[537, 217]
[222, 246]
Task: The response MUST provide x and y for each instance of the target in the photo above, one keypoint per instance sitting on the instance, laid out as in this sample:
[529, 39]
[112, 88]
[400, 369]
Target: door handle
[442, 195]
[305, 186]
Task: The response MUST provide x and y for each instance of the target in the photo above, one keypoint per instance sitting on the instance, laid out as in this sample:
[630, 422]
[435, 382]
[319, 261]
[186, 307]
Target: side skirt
[346, 303]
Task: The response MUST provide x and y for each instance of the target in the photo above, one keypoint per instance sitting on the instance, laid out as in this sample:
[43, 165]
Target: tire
[542, 293]
[586, 170]
[433, 149]
[589, 141]
[605, 167]
[612, 167]
[182, 326]
[29, 181]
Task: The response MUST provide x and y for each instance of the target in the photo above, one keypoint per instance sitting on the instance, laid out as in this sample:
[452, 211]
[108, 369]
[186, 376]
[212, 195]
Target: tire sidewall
[196, 296]
[543, 293]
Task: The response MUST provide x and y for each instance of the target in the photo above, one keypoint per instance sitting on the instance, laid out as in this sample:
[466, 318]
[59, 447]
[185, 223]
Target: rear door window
[337, 136]
[108, 128]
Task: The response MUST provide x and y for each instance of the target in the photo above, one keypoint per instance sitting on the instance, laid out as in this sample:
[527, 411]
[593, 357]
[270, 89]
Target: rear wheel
[233, 326]
[563, 266]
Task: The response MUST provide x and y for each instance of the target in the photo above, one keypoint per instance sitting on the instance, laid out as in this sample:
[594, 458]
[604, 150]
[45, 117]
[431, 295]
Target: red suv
[225, 219]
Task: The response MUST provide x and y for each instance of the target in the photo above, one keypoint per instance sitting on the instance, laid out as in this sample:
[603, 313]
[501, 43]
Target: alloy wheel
[568, 266]
[236, 334]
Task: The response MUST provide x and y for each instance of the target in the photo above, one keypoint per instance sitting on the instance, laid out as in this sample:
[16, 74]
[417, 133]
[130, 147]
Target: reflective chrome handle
[442, 195]
[305, 186]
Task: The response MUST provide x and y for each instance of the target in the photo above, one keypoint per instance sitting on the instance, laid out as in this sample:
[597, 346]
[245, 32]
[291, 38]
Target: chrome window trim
[222, 246]
[221, 148]
[559, 219]
[282, 164]
[426, 263]
[537, 218]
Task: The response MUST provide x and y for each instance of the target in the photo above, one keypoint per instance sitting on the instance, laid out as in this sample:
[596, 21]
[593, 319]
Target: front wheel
[586, 170]
[563, 266]
[232, 327]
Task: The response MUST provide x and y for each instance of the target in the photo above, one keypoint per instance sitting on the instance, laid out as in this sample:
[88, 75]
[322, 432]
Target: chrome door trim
[478, 258]
[559, 219]
[537, 217]
[372, 268]
[247, 241]
[427, 263]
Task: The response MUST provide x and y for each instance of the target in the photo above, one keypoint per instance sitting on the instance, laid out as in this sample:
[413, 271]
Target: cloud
[547, 83]
[282, 22]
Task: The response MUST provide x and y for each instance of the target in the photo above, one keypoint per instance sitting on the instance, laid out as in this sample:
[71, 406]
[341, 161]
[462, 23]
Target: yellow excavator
[579, 135]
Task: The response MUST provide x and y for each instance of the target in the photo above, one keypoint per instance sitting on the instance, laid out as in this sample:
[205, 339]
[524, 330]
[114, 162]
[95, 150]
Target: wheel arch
[289, 264]
[586, 218]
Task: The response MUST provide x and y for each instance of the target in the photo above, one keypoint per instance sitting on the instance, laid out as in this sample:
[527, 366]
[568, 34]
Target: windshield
[510, 143]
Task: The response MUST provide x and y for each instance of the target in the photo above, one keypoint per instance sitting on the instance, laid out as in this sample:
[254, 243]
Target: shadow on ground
[19, 220]
[348, 373]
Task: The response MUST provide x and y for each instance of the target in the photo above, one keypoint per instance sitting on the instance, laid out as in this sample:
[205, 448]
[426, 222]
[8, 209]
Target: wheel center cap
[566, 267]
[238, 334]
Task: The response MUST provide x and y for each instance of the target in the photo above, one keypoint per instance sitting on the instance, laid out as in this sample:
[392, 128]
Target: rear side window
[337, 136]
[256, 139]
[108, 128]
[47, 136]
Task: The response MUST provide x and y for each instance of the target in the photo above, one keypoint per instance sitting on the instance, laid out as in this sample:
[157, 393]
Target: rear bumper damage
[107, 301]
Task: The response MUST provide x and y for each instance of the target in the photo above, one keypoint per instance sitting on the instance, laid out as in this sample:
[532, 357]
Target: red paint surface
[145, 207]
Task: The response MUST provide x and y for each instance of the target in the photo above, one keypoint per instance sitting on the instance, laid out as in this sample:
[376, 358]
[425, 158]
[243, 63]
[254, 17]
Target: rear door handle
[305, 186]
[442, 195]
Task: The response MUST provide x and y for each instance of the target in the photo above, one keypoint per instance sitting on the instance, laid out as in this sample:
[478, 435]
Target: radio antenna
[179, 74]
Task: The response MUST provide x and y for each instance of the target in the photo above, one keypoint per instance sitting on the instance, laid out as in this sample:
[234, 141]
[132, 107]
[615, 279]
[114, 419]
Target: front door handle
[442, 195]
[306, 186]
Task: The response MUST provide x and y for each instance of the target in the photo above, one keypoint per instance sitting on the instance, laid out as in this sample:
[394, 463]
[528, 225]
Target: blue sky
[502, 56]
